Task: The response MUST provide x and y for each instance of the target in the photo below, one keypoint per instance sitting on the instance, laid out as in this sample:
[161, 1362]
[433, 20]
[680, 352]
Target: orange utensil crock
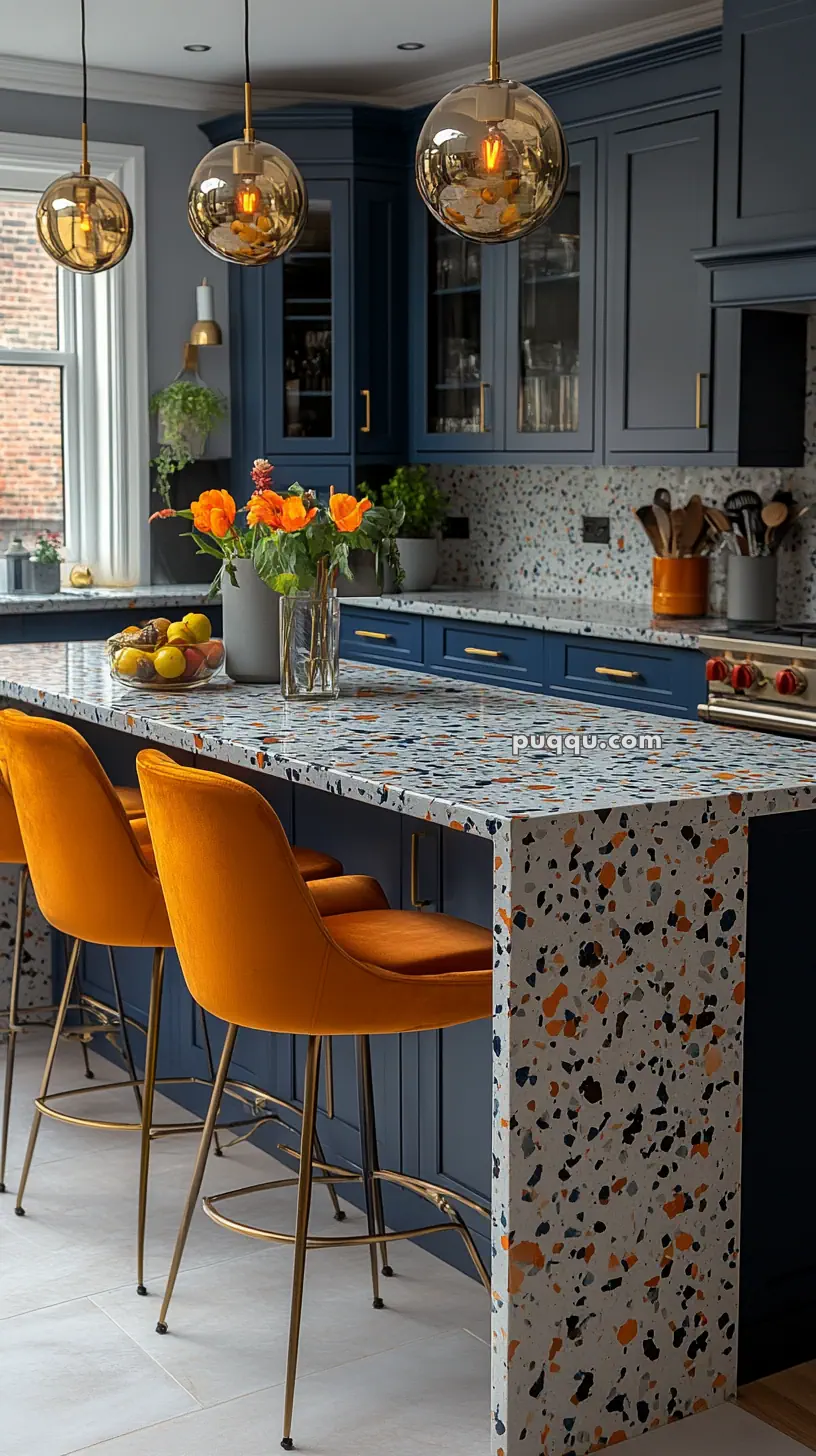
[680, 586]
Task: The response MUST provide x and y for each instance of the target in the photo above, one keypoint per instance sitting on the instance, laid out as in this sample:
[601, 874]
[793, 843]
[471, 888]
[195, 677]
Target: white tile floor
[83, 1371]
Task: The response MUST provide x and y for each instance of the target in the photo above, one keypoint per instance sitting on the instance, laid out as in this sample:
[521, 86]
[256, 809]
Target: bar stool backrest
[252, 946]
[12, 850]
[88, 872]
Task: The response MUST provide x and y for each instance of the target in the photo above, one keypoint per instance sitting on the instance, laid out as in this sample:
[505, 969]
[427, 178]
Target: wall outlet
[595, 530]
[456, 528]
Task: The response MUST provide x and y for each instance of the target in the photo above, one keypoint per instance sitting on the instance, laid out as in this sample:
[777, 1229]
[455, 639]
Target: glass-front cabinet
[508, 344]
[306, 308]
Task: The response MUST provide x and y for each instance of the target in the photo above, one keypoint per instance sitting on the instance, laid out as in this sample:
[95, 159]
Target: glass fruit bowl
[165, 655]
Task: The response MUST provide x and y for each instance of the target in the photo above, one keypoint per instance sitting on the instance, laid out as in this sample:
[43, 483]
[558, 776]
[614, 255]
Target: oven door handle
[742, 715]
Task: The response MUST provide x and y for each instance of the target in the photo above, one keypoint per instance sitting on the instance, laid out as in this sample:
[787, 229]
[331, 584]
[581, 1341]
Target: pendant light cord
[249, 134]
[494, 41]
[85, 164]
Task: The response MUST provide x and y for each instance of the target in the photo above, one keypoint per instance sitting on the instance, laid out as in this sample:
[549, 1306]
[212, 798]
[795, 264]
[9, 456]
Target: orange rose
[265, 508]
[347, 512]
[213, 512]
[295, 515]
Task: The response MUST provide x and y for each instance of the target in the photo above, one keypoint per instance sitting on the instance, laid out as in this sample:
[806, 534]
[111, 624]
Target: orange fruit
[170, 662]
[214, 653]
[127, 661]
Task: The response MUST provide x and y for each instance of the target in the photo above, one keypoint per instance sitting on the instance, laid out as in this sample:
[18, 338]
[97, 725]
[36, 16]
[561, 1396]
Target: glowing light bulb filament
[248, 199]
[492, 153]
[85, 222]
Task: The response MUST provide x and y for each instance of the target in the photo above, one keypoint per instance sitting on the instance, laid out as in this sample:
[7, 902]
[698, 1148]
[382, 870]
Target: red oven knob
[716, 669]
[743, 676]
[789, 682]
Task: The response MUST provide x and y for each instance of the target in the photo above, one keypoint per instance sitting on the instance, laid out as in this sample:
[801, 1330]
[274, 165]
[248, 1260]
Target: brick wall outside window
[31, 496]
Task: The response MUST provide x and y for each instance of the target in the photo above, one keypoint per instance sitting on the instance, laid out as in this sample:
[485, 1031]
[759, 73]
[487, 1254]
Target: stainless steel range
[765, 679]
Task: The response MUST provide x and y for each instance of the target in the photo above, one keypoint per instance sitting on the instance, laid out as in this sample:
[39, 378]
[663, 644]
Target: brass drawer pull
[415, 900]
[482, 652]
[374, 636]
[617, 672]
[366, 428]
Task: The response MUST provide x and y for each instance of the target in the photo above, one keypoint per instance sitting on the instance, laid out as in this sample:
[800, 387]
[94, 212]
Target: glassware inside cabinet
[549, 320]
[454, 333]
[307, 328]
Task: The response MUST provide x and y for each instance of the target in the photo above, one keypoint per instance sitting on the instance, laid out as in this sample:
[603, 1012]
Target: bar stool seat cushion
[131, 800]
[410, 943]
[314, 865]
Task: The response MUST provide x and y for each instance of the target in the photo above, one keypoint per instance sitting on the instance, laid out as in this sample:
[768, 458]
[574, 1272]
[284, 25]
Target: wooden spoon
[664, 526]
[775, 514]
[678, 525]
[718, 518]
[646, 516]
[693, 523]
[663, 499]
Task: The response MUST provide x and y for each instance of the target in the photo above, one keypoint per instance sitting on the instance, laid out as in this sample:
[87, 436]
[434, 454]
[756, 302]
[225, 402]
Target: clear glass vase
[310, 645]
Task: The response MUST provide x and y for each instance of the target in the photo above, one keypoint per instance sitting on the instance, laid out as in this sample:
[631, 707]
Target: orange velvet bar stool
[353, 974]
[107, 894]
[12, 852]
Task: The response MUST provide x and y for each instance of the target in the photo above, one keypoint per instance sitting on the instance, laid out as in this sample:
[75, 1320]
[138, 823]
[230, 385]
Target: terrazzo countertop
[97, 598]
[623, 621]
[427, 746]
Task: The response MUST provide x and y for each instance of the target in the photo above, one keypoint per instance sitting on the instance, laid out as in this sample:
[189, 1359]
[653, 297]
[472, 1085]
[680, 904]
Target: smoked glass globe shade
[492, 161]
[247, 202]
[84, 223]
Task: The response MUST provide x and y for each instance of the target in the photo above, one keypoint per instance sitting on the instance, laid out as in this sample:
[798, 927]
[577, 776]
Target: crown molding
[569, 56]
[63, 78]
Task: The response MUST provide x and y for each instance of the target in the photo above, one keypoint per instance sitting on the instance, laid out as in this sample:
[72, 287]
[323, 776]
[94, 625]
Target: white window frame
[103, 355]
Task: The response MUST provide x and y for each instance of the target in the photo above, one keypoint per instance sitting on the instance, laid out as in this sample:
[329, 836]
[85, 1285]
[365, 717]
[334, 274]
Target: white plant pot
[420, 562]
[251, 626]
[195, 439]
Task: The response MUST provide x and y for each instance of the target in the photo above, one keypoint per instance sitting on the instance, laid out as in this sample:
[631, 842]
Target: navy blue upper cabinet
[319, 338]
[456, 373]
[550, 317]
[768, 177]
[660, 321]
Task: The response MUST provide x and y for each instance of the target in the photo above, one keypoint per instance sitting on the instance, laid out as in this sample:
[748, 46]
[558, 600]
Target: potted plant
[425, 507]
[42, 570]
[188, 410]
[281, 545]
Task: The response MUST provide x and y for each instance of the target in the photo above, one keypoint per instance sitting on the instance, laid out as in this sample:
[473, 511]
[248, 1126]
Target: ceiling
[334, 47]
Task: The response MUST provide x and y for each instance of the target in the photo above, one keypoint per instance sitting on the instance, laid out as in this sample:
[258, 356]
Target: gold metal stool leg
[368, 1158]
[70, 977]
[198, 1172]
[151, 1056]
[14, 991]
[368, 1141]
[301, 1233]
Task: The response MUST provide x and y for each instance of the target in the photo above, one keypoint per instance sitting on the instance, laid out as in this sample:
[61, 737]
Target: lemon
[127, 661]
[170, 662]
[199, 625]
[179, 632]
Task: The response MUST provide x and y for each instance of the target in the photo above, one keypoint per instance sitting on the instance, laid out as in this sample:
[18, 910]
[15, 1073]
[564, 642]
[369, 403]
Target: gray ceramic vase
[419, 560]
[251, 626]
[42, 577]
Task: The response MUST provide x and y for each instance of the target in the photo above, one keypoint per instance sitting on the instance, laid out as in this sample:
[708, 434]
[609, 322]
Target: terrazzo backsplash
[525, 525]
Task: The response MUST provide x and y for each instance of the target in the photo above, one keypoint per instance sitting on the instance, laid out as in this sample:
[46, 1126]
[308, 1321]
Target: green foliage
[424, 505]
[188, 413]
[306, 560]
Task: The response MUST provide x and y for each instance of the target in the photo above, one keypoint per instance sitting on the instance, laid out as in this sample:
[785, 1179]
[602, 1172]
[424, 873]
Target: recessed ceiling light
[198, 48]
[411, 45]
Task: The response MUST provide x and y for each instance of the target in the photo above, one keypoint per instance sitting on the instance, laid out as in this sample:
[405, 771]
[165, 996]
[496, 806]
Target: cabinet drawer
[508, 655]
[667, 679]
[391, 637]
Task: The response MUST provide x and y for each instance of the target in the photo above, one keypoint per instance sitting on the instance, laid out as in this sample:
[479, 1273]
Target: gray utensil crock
[752, 588]
[251, 626]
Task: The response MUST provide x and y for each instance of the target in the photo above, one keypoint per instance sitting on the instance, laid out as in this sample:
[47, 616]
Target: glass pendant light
[84, 222]
[247, 199]
[492, 160]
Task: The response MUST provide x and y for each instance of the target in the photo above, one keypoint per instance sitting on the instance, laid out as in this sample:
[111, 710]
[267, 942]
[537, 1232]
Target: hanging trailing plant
[187, 412]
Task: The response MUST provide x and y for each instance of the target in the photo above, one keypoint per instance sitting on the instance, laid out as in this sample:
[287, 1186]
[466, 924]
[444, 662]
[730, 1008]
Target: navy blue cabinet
[636, 675]
[318, 338]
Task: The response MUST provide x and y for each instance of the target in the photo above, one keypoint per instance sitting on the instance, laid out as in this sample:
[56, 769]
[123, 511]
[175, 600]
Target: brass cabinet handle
[415, 900]
[482, 652]
[483, 388]
[617, 672]
[366, 428]
[375, 636]
[698, 410]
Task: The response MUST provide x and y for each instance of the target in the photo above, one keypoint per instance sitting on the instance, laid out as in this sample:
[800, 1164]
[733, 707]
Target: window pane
[28, 278]
[31, 498]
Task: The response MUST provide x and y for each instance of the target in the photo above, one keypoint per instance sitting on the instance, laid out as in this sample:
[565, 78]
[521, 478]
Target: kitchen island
[619, 911]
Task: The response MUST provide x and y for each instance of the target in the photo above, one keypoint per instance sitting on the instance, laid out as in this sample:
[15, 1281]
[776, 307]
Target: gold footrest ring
[242, 1092]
